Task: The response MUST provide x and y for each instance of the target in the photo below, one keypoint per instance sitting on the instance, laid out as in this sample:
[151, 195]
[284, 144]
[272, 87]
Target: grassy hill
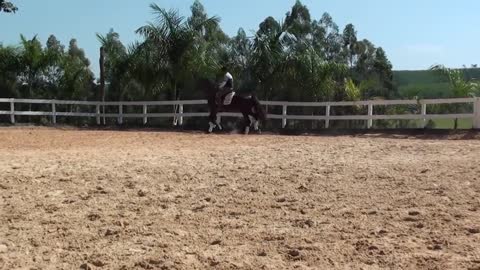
[425, 83]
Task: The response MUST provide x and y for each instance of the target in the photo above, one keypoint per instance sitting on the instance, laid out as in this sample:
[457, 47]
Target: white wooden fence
[179, 114]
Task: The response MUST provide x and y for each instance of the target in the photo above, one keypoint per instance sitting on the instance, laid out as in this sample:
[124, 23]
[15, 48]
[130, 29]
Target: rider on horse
[225, 89]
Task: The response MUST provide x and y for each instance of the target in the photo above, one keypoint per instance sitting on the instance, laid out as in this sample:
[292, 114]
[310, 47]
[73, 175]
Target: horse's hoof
[256, 125]
[211, 127]
[247, 130]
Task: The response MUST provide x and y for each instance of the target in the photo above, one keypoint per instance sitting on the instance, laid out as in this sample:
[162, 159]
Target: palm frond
[170, 19]
[102, 39]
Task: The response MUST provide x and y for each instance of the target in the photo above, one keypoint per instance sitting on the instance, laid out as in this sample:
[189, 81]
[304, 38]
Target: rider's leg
[218, 98]
[229, 98]
[222, 93]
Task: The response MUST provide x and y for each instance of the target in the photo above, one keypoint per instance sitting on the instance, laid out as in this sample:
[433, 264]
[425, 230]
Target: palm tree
[34, 61]
[456, 78]
[353, 92]
[321, 77]
[459, 85]
[270, 53]
[115, 62]
[170, 38]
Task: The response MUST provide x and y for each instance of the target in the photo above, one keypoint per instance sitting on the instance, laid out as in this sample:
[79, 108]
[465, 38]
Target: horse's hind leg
[218, 122]
[211, 123]
[255, 123]
[248, 123]
[211, 127]
[255, 118]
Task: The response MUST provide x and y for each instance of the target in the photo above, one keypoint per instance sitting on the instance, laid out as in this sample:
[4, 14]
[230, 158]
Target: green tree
[171, 37]
[211, 44]
[350, 43]
[10, 68]
[301, 59]
[269, 54]
[365, 59]
[34, 62]
[116, 64]
[332, 40]
[318, 79]
[7, 7]
[54, 52]
[240, 50]
[77, 79]
[298, 21]
[352, 91]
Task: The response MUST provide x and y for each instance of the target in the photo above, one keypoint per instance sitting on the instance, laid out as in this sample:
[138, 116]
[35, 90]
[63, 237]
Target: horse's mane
[208, 86]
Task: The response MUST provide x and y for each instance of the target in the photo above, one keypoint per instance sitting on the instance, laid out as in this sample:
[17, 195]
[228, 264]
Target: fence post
[180, 111]
[284, 116]
[424, 114]
[54, 114]
[12, 111]
[175, 117]
[120, 113]
[476, 110]
[327, 114]
[97, 111]
[145, 111]
[370, 114]
[104, 112]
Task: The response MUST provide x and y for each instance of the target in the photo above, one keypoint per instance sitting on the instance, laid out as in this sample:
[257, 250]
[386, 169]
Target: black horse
[247, 105]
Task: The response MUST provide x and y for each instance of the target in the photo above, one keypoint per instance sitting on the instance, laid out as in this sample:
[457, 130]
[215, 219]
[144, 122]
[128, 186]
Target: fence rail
[179, 114]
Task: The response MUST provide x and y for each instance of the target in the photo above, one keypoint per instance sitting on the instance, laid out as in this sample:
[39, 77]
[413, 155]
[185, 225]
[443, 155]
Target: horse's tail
[262, 115]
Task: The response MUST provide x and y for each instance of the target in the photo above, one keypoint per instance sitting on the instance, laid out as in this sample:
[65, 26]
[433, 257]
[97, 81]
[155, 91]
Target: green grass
[425, 90]
[449, 124]
[426, 84]
[426, 76]
[438, 124]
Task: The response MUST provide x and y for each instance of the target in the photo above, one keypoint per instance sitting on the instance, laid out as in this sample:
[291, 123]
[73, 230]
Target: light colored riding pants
[228, 99]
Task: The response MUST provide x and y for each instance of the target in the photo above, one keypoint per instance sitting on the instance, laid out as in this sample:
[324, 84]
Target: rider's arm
[224, 82]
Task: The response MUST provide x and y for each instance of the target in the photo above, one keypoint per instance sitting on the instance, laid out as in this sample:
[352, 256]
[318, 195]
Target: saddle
[225, 100]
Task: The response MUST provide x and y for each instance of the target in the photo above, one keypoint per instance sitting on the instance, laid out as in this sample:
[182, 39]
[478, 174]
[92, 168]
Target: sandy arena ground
[159, 200]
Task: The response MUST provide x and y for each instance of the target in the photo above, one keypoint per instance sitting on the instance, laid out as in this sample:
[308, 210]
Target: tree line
[300, 58]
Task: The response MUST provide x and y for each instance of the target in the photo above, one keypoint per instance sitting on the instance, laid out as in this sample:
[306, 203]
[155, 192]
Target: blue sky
[415, 33]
